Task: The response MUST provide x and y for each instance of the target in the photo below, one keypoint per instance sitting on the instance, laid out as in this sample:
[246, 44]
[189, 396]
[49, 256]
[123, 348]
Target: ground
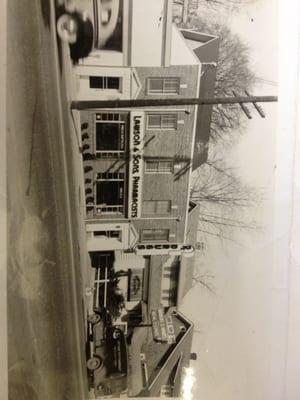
[46, 252]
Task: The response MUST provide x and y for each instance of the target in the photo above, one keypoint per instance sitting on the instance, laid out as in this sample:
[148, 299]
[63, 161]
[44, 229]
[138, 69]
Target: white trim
[134, 75]
[192, 153]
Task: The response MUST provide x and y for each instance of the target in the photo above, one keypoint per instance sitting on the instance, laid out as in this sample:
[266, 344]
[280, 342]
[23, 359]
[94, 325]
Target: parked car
[107, 361]
[88, 25]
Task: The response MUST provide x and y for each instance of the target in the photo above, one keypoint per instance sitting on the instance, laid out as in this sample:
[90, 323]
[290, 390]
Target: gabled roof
[178, 357]
[206, 48]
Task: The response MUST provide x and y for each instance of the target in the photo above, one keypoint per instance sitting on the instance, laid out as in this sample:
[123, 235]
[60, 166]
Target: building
[125, 49]
[158, 368]
[160, 337]
[138, 162]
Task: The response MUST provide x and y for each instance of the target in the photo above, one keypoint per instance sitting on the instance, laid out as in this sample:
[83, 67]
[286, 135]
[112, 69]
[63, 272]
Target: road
[45, 254]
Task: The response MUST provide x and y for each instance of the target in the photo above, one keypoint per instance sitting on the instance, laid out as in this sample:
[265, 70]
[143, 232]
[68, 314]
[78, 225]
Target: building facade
[138, 162]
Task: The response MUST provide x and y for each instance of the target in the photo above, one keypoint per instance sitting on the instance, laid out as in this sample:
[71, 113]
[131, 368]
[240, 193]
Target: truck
[107, 352]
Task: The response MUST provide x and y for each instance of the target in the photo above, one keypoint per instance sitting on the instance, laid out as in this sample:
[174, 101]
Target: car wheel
[94, 318]
[93, 363]
[116, 334]
[67, 28]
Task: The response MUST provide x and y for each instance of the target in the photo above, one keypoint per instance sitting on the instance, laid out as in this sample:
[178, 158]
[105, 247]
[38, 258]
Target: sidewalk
[71, 87]
[135, 377]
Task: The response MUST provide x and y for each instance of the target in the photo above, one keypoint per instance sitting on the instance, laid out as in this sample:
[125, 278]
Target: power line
[267, 82]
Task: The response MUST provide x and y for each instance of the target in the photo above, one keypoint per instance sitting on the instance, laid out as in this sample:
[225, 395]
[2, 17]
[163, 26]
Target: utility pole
[185, 8]
[136, 103]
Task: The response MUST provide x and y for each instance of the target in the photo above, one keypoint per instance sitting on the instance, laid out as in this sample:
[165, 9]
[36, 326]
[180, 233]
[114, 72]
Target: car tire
[116, 334]
[67, 28]
[94, 363]
[94, 318]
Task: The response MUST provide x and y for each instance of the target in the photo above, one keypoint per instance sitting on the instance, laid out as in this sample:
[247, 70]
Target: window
[100, 259]
[155, 235]
[110, 192]
[156, 207]
[110, 136]
[160, 166]
[105, 82]
[108, 234]
[166, 85]
[162, 121]
[110, 189]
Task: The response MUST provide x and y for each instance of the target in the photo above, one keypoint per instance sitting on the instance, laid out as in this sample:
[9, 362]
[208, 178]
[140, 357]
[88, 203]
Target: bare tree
[218, 5]
[224, 201]
[233, 75]
[204, 279]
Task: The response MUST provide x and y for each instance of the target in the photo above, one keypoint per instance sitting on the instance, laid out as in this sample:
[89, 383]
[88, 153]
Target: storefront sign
[162, 327]
[136, 164]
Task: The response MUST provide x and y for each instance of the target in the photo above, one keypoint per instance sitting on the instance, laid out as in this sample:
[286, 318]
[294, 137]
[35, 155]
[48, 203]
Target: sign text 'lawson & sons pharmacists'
[136, 164]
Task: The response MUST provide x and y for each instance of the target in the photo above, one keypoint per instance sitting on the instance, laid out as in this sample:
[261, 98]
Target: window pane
[113, 82]
[169, 121]
[154, 121]
[159, 166]
[164, 85]
[96, 82]
[171, 85]
[107, 136]
[162, 121]
[104, 82]
[156, 235]
[165, 166]
[161, 234]
[152, 166]
[156, 207]
[149, 207]
[147, 235]
[110, 193]
[156, 85]
[163, 206]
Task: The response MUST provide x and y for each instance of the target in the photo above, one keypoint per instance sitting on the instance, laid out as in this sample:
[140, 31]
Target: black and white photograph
[149, 193]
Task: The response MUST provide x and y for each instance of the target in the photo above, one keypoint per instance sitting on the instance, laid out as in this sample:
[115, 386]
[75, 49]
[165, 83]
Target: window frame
[153, 239]
[156, 208]
[158, 171]
[105, 82]
[162, 116]
[114, 209]
[109, 234]
[111, 118]
[164, 91]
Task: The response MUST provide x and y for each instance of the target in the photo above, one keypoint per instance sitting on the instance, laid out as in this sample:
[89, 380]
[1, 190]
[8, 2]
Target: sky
[241, 330]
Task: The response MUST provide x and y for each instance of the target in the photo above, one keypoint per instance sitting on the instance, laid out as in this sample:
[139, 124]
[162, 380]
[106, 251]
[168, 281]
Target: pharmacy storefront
[117, 180]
